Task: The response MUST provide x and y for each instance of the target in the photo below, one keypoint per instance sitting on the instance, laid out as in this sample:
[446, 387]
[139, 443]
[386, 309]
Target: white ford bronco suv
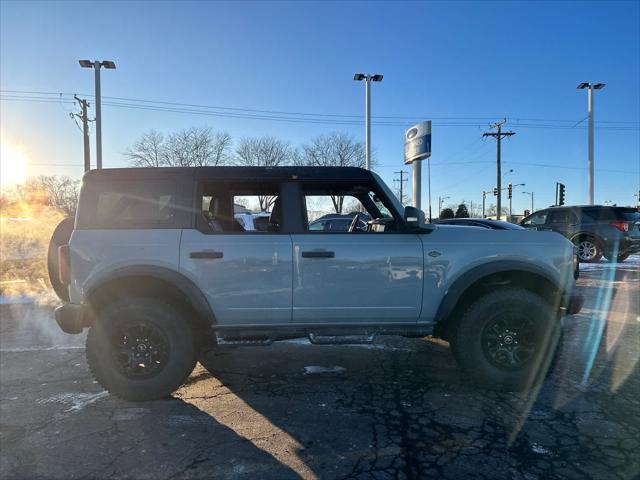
[159, 270]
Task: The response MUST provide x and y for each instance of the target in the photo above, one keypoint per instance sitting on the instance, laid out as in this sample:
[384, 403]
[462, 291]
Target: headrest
[276, 213]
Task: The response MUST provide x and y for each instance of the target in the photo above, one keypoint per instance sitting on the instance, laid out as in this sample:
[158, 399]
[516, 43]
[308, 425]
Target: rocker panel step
[248, 340]
[318, 339]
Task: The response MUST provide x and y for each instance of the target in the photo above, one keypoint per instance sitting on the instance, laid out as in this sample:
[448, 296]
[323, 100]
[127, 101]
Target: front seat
[275, 218]
[214, 211]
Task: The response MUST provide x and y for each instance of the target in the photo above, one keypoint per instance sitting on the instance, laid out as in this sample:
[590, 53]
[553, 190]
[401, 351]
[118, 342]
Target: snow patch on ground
[40, 349]
[632, 261]
[370, 346]
[320, 369]
[77, 401]
[10, 300]
[540, 449]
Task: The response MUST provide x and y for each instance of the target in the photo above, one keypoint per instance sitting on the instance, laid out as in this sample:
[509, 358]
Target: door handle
[318, 254]
[212, 254]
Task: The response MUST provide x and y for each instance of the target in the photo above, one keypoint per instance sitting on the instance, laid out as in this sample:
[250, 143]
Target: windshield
[390, 195]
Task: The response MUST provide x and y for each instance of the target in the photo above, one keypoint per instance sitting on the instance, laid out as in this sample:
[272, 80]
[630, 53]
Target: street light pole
[97, 65]
[531, 194]
[590, 103]
[367, 110]
[440, 202]
[367, 136]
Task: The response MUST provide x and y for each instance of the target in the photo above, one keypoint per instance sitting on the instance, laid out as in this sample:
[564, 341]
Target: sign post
[417, 147]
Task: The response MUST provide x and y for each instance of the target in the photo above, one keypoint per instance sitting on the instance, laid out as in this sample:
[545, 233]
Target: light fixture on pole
[96, 65]
[591, 87]
[367, 81]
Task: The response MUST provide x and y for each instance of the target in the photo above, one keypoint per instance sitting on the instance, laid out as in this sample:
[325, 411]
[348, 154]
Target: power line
[322, 121]
[177, 107]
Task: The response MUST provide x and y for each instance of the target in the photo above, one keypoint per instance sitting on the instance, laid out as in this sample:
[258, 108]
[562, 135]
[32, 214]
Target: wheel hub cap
[140, 350]
[586, 250]
[509, 341]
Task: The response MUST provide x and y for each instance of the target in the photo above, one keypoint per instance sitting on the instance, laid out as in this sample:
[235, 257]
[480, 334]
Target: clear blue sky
[519, 60]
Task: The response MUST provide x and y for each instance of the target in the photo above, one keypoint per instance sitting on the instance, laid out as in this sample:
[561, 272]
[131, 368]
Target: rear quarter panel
[95, 254]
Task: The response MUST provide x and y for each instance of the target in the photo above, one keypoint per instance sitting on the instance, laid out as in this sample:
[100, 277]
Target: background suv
[597, 231]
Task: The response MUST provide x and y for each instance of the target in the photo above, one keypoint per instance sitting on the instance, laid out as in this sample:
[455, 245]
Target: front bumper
[71, 317]
[630, 245]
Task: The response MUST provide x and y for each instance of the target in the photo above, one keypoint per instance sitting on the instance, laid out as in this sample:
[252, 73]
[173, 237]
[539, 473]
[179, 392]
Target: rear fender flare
[177, 280]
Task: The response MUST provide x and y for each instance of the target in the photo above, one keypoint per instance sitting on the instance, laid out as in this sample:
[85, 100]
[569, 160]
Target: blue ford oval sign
[417, 142]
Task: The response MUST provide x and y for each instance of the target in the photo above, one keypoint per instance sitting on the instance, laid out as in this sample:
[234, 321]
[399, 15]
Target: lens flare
[13, 166]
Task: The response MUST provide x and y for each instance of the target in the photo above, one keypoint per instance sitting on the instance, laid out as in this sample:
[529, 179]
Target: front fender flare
[460, 285]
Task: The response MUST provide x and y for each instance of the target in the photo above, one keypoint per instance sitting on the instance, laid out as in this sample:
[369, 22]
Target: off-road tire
[60, 236]
[161, 316]
[588, 244]
[471, 353]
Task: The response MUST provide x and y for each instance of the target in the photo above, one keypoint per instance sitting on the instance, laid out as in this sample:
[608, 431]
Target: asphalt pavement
[396, 409]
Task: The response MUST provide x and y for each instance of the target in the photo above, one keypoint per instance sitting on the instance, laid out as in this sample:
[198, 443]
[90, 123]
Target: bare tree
[192, 147]
[334, 150]
[59, 192]
[148, 150]
[264, 152]
[220, 148]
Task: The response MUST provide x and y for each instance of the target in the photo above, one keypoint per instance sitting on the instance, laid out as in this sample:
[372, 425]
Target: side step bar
[318, 339]
[247, 340]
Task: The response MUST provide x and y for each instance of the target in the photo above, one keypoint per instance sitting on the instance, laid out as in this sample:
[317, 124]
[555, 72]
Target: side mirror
[413, 217]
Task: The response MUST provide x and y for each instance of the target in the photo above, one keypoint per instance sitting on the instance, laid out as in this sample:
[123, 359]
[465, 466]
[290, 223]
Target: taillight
[64, 264]
[622, 226]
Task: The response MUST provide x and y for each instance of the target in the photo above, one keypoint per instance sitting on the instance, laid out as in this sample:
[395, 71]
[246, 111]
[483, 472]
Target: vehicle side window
[333, 209]
[565, 217]
[239, 209]
[539, 218]
[600, 214]
[130, 204]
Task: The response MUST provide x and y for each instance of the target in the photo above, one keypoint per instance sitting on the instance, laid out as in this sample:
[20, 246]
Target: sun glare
[13, 166]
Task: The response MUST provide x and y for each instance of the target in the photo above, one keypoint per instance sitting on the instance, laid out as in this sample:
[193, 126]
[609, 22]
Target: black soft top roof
[234, 173]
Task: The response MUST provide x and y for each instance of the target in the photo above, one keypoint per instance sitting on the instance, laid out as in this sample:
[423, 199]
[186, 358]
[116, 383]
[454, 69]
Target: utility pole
[402, 173]
[484, 200]
[591, 87]
[499, 135]
[85, 130]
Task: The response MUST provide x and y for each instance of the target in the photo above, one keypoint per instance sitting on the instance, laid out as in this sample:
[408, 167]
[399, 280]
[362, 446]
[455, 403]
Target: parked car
[596, 230]
[158, 270]
[338, 223]
[480, 222]
[253, 221]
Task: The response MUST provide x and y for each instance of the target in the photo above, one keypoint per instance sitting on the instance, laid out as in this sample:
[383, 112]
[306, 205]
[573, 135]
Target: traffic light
[561, 194]
[509, 190]
[527, 213]
[495, 191]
